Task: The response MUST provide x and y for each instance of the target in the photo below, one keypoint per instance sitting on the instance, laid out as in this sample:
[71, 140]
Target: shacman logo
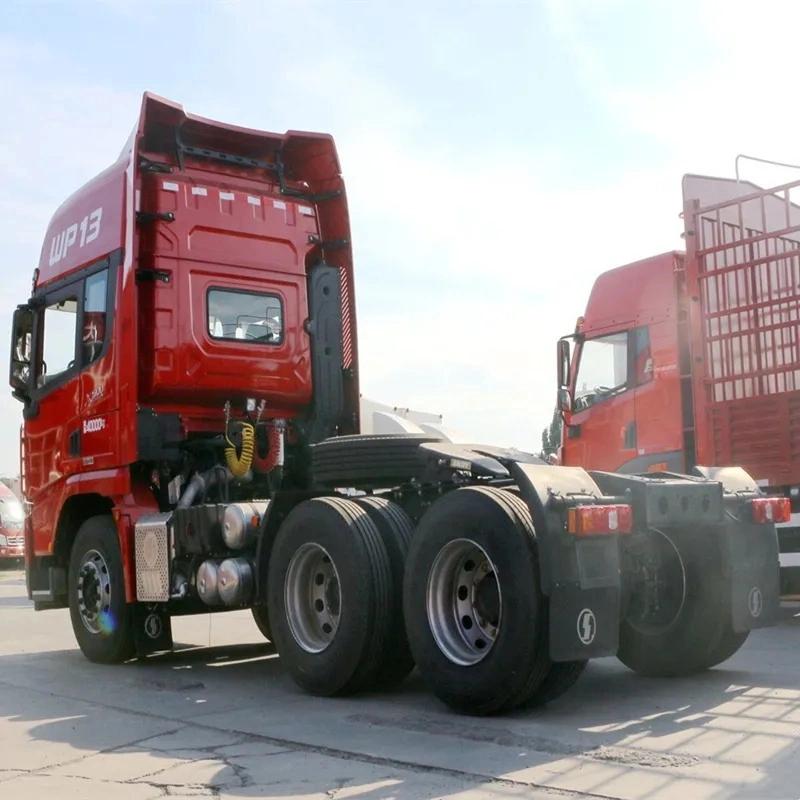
[587, 626]
[94, 425]
[755, 602]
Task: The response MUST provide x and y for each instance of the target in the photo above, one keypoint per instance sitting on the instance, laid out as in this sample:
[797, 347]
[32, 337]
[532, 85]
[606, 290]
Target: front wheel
[261, 619]
[102, 621]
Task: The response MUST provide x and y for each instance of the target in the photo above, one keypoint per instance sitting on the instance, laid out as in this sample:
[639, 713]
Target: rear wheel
[472, 603]
[330, 596]
[396, 530]
[730, 643]
[561, 676]
[101, 619]
[675, 618]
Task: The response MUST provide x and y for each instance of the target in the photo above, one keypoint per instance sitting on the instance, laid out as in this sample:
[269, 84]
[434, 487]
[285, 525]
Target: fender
[135, 503]
[750, 552]
[581, 577]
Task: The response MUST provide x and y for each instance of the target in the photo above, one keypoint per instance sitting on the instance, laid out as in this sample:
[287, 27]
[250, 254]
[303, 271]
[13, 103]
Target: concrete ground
[221, 719]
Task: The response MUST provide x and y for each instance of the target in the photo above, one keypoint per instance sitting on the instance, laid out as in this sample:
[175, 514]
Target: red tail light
[599, 520]
[771, 509]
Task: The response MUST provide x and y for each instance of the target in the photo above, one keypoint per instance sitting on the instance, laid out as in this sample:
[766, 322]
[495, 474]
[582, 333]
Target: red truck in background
[693, 357]
[12, 519]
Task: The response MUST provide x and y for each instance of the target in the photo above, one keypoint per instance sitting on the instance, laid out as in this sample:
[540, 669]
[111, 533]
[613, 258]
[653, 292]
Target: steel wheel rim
[94, 593]
[312, 596]
[464, 602]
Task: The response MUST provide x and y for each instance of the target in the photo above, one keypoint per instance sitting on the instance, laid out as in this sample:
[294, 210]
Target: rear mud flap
[580, 577]
[584, 623]
[152, 629]
[754, 576]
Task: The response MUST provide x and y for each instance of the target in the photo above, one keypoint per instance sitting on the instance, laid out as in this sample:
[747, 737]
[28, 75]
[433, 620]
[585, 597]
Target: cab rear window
[235, 315]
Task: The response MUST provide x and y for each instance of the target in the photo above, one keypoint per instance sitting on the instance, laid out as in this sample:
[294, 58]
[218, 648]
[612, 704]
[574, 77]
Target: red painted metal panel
[88, 226]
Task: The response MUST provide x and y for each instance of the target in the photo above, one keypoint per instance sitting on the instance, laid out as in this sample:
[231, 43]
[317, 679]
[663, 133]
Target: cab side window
[59, 325]
[93, 335]
[610, 365]
[641, 356]
[602, 370]
[72, 329]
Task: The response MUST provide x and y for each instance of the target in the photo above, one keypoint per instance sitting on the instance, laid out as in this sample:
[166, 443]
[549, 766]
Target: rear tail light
[771, 509]
[599, 520]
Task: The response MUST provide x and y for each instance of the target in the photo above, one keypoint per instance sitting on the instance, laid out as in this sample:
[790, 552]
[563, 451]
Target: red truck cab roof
[638, 293]
[99, 217]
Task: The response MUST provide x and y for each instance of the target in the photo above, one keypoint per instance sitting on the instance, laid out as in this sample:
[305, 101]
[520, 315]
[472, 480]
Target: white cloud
[734, 94]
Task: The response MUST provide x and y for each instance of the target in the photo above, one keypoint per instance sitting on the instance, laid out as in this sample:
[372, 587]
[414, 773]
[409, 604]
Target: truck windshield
[602, 369]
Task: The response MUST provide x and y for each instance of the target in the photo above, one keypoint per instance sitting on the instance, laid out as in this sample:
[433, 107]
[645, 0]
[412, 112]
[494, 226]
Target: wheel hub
[312, 595]
[464, 602]
[658, 586]
[94, 593]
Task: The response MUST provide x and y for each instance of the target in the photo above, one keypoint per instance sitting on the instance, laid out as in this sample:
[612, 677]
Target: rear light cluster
[771, 509]
[599, 520]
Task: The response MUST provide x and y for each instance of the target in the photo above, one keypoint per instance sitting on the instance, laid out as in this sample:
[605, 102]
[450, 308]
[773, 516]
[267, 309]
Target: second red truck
[690, 358]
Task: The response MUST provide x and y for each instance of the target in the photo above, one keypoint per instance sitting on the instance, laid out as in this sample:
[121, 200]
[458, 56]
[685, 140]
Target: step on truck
[187, 365]
[692, 357]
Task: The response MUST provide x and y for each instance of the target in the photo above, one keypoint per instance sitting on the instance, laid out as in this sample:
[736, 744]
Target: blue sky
[498, 155]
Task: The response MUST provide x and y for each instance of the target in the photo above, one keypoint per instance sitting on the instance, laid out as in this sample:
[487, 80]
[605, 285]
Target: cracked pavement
[220, 719]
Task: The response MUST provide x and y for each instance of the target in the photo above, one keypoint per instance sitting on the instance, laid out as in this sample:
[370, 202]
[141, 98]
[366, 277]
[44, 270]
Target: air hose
[239, 465]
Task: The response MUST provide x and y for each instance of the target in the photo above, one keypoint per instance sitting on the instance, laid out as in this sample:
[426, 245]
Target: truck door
[52, 426]
[99, 403]
[657, 432]
[600, 434]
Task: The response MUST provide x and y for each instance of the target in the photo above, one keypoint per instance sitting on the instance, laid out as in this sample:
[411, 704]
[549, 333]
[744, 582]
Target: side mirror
[21, 351]
[564, 394]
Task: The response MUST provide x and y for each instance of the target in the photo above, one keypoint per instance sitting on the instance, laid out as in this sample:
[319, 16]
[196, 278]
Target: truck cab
[186, 303]
[623, 376]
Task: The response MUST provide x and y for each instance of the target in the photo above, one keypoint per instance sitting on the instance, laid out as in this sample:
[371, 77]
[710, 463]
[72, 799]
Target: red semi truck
[693, 357]
[187, 365]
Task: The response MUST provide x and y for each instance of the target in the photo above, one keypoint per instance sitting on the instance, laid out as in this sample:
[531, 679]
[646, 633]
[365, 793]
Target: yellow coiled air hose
[239, 465]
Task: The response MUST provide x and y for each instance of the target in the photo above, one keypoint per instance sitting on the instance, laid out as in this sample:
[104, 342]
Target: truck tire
[396, 530]
[479, 644]
[378, 459]
[561, 676]
[261, 619]
[687, 639]
[101, 619]
[730, 642]
[330, 596]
